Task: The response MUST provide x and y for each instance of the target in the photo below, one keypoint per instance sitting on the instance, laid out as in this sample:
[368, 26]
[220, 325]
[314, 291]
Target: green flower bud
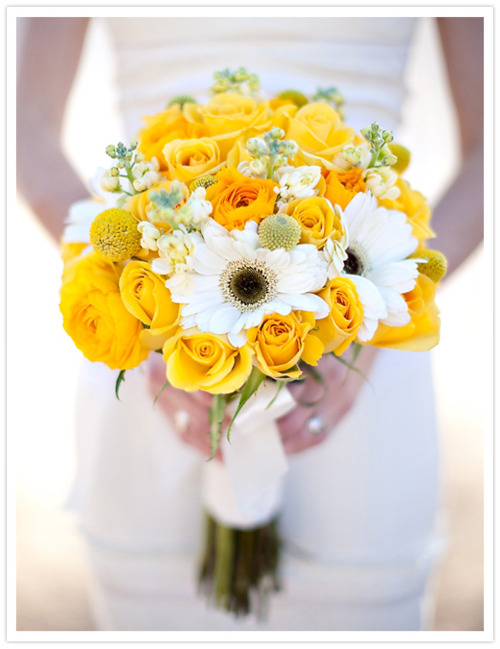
[256, 146]
[181, 100]
[276, 133]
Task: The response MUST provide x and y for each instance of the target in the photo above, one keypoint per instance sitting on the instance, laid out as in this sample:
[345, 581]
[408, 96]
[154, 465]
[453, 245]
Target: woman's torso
[158, 58]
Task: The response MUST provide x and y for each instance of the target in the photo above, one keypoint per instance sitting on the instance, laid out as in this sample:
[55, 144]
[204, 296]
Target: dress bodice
[158, 58]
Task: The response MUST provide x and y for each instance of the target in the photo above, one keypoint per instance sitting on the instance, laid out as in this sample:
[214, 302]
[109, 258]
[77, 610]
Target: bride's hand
[328, 402]
[188, 411]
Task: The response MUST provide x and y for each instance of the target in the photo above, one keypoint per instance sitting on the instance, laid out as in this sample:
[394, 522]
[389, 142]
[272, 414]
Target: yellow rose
[71, 250]
[188, 159]
[280, 342]
[229, 115]
[205, 361]
[318, 130]
[416, 208]
[237, 199]
[166, 127]
[317, 220]
[422, 332]
[341, 187]
[341, 326]
[147, 298]
[96, 318]
[238, 152]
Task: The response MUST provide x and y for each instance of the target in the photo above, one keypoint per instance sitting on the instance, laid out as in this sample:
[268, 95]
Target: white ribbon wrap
[244, 490]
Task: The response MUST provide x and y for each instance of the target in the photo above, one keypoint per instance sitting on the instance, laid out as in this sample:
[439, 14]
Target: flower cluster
[251, 235]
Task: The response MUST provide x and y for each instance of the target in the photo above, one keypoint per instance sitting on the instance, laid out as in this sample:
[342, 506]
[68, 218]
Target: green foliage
[119, 381]
[250, 388]
[217, 412]
[165, 385]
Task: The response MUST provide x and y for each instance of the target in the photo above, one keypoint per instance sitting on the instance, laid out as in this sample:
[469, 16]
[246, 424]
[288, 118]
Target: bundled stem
[239, 567]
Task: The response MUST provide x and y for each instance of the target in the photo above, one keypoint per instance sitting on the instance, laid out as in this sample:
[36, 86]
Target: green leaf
[351, 365]
[317, 376]
[357, 347]
[165, 385]
[251, 386]
[217, 411]
[281, 385]
[119, 381]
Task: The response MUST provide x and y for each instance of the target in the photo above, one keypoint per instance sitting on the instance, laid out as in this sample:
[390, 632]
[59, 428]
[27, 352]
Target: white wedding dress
[358, 520]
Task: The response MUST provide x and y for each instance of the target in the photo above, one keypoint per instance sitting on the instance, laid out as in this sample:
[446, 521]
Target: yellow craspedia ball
[114, 235]
[203, 181]
[279, 231]
[295, 96]
[403, 156]
[435, 265]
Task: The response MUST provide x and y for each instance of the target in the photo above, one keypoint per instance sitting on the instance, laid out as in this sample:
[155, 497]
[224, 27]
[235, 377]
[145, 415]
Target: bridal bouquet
[243, 239]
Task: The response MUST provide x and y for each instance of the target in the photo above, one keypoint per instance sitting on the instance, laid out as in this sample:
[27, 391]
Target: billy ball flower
[434, 264]
[295, 96]
[279, 231]
[114, 235]
[203, 181]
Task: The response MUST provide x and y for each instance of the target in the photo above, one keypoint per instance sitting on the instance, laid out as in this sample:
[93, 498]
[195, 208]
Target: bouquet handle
[242, 496]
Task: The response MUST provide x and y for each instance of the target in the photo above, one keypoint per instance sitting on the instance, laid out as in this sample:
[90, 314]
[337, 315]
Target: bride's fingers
[294, 431]
[187, 411]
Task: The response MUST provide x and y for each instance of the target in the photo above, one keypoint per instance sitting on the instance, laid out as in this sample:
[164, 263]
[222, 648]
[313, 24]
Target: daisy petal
[223, 320]
[307, 302]
[237, 340]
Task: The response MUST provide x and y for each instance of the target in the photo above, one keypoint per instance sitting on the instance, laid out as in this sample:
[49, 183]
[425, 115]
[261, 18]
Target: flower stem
[239, 568]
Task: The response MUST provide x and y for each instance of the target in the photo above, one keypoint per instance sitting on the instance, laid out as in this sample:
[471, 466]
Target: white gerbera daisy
[237, 282]
[80, 217]
[379, 242]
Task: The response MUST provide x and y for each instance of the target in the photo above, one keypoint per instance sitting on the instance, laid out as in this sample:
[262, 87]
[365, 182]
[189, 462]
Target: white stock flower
[379, 242]
[253, 169]
[146, 174]
[199, 208]
[237, 283]
[109, 182]
[103, 183]
[358, 156]
[150, 235]
[296, 182]
[175, 250]
[381, 181]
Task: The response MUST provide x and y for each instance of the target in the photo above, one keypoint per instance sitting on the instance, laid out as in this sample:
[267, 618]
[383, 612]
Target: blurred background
[51, 568]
